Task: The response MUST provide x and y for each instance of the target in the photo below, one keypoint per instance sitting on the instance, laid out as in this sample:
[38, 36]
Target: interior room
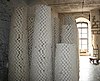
[49, 40]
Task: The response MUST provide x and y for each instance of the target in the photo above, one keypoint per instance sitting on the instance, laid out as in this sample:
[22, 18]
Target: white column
[41, 53]
[18, 51]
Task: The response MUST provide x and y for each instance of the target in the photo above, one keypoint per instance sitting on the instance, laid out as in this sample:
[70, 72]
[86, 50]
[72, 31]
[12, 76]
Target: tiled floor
[88, 71]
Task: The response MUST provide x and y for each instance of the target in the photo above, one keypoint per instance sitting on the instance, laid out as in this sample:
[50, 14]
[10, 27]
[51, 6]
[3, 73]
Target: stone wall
[95, 27]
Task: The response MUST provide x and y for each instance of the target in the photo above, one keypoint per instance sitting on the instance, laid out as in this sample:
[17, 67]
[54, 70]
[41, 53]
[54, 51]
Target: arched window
[83, 36]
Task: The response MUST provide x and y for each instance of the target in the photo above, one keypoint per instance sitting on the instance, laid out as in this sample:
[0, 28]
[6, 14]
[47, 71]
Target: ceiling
[66, 6]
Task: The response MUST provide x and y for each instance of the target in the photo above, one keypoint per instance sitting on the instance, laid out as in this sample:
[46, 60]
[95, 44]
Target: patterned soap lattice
[41, 69]
[65, 63]
[67, 34]
[18, 51]
[68, 20]
[76, 42]
[55, 39]
[70, 32]
[30, 25]
[56, 30]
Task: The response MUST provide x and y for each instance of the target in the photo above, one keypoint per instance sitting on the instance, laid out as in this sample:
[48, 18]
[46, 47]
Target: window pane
[84, 46]
[79, 42]
[84, 42]
[79, 30]
[84, 35]
[79, 46]
[79, 25]
[84, 25]
[80, 36]
[84, 30]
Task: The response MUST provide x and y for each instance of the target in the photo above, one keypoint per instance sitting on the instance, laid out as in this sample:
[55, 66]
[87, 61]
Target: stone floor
[89, 71]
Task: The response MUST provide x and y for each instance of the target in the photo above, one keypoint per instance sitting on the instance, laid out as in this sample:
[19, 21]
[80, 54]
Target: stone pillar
[41, 53]
[18, 49]
[65, 62]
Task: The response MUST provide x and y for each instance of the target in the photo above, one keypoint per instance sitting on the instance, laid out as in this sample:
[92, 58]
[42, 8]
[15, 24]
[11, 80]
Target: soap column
[18, 49]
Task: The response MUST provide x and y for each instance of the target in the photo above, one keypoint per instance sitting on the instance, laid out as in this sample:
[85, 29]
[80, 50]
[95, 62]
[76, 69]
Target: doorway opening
[85, 46]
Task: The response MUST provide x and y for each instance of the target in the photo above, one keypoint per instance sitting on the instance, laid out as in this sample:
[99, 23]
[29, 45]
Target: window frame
[81, 46]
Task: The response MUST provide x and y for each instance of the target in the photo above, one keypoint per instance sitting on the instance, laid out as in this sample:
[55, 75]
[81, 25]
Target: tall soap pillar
[69, 46]
[69, 36]
[41, 53]
[18, 49]
[64, 62]
[95, 24]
